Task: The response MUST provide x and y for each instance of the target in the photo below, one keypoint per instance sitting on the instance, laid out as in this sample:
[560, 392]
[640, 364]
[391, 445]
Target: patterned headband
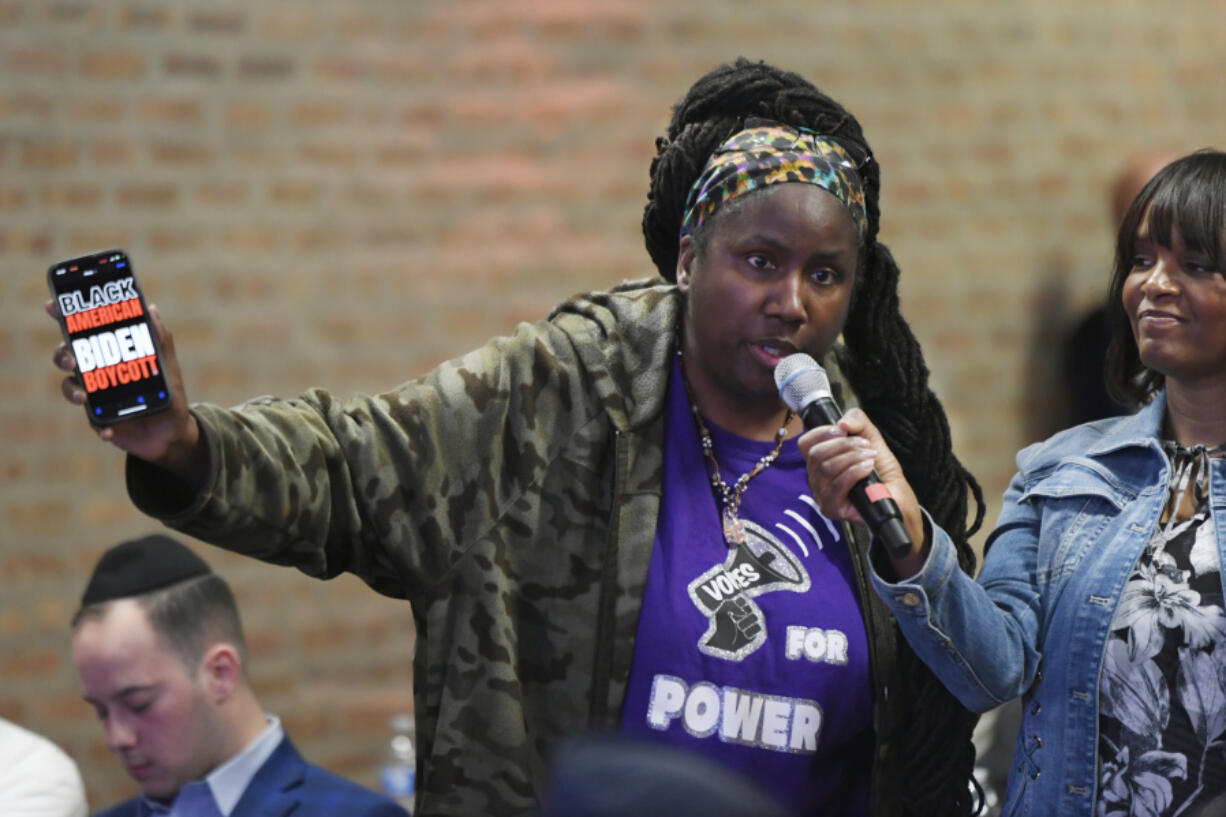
[767, 153]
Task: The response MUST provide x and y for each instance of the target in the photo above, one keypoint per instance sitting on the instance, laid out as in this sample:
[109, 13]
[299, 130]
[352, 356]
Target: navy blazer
[288, 785]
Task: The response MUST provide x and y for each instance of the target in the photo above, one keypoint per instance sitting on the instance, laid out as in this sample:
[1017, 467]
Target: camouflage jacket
[511, 496]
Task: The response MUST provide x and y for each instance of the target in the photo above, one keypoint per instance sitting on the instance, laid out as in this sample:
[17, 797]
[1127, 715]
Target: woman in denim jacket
[1100, 599]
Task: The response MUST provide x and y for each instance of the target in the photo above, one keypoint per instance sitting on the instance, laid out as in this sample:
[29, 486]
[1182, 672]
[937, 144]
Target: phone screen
[105, 320]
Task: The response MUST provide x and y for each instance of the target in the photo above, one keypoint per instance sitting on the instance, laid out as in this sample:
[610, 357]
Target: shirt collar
[229, 780]
[1144, 428]
[148, 807]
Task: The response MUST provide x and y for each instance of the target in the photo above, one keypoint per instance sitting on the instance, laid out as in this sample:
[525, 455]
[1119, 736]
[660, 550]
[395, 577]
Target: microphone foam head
[801, 380]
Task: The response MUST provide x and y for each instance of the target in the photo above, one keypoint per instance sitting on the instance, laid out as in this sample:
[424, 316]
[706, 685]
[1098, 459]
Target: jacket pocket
[1075, 508]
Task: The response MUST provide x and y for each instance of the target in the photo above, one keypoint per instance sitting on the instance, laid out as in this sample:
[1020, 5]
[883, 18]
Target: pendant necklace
[730, 497]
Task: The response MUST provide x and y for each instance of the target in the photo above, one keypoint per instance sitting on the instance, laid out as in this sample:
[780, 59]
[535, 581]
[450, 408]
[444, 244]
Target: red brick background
[344, 194]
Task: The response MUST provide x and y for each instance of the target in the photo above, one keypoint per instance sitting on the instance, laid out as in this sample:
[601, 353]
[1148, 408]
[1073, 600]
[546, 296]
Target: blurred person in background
[613, 776]
[37, 779]
[1085, 348]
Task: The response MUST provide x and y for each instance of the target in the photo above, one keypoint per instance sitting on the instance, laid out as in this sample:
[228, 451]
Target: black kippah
[140, 566]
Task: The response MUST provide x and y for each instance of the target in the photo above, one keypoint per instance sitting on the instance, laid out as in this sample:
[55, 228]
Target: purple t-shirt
[755, 657]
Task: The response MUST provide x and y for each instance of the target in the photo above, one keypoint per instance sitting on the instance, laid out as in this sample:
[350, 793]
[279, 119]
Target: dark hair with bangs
[1187, 196]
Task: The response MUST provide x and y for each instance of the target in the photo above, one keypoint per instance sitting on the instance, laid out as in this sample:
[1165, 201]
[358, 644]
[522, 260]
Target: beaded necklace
[730, 497]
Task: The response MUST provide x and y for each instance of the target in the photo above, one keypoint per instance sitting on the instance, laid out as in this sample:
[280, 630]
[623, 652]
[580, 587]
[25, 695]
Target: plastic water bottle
[399, 772]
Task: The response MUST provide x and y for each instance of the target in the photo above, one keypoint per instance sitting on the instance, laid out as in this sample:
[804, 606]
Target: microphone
[805, 388]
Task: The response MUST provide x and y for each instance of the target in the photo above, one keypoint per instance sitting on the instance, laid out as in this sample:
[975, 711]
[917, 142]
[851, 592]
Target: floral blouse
[1162, 694]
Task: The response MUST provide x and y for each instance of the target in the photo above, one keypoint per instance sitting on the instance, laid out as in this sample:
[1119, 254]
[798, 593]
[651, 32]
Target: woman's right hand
[839, 456]
[169, 439]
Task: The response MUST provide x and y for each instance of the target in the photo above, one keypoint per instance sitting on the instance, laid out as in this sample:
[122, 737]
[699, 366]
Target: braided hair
[882, 361]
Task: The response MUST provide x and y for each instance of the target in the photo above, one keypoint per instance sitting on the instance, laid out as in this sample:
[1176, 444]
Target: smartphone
[106, 323]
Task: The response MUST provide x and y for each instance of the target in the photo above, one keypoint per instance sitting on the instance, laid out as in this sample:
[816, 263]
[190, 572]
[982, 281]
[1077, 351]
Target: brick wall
[346, 194]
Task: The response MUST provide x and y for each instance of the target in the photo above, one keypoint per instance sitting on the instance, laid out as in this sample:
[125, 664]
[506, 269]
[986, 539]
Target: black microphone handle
[883, 517]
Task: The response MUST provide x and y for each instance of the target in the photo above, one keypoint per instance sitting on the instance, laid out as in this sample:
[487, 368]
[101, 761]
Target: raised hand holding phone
[103, 316]
[121, 363]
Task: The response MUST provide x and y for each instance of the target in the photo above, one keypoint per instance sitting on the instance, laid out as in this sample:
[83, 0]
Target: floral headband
[767, 153]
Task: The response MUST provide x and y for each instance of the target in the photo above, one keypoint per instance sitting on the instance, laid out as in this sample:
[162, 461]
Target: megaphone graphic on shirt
[725, 593]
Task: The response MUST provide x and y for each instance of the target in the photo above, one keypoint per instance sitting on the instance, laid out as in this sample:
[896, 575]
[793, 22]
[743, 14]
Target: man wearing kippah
[159, 648]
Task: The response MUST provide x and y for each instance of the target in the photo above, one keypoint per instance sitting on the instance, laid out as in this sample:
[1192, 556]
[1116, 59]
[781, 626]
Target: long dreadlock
[882, 361]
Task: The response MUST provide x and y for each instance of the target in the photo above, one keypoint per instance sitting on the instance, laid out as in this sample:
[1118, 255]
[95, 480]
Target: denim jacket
[1075, 518]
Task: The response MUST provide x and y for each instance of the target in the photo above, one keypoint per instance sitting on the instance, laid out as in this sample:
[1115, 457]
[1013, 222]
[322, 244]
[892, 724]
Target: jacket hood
[625, 337]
